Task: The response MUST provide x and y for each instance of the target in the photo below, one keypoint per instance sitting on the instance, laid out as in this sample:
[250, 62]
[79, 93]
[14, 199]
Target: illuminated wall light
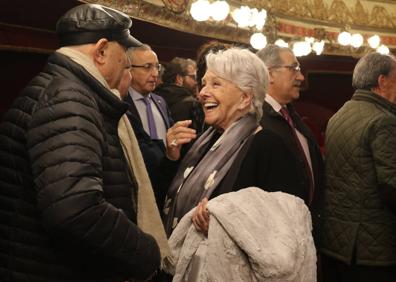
[382, 49]
[258, 41]
[219, 10]
[310, 40]
[281, 43]
[259, 19]
[357, 40]
[318, 47]
[374, 41]
[241, 16]
[200, 10]
[301, 48]
[252, 16]
[246, 17]
[344, 38]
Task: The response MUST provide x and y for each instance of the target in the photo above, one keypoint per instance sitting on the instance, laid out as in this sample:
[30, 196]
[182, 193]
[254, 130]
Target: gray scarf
[203, 168]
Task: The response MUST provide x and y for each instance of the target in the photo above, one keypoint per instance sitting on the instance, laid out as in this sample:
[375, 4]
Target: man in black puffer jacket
[67, 199]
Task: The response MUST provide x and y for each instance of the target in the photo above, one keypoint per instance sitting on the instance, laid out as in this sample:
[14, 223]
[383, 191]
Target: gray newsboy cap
[88, 23]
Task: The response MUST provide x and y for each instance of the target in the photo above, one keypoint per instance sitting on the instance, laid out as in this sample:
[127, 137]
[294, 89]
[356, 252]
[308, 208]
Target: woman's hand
[176, 136]
[200, 217]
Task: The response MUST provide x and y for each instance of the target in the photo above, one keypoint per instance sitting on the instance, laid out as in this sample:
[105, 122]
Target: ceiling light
[357, 40]
[344, 38]
[219, 10]
[310, 40]
[246, 17]
[257, 18]
[200, 10]
[281, 43]
[374, 41]
[258, 41]
[301, 48]
[382, 49]
[242, 16]
[318, 47]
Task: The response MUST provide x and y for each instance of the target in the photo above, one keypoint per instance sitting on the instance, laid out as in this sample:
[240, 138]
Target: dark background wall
[27, 37]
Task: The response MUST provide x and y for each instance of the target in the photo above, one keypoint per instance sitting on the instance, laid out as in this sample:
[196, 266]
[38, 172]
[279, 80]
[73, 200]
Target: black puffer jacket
[67, 202]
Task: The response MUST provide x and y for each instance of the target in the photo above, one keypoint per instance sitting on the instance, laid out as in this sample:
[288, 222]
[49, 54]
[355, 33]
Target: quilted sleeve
[383, 146]
[65, 143]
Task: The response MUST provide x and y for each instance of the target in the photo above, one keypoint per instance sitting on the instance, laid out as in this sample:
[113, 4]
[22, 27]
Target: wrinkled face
[223, 102]
[115, 63]
[285, 79]
[144, 70]
[190, 79]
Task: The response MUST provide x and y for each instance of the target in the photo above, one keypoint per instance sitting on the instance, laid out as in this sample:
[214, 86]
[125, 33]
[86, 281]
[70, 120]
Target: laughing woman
[233, 92]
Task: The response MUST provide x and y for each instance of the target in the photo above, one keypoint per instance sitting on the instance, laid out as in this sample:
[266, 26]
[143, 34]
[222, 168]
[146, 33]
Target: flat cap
[88, 23]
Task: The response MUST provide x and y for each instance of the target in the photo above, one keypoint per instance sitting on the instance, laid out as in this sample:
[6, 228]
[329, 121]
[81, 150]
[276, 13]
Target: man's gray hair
[132, 50]
[369, 68]
[184, 63]
[270, 55]
[244, 69]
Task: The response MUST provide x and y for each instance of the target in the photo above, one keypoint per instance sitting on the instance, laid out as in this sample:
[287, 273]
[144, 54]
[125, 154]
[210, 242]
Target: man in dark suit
[149, 115]
[296, 165]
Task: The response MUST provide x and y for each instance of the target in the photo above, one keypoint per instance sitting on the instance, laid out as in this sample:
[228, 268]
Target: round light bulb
[318, 47]
[344, 38]
[258, 41]
[301, 48]
[357, 40]
[219, 10]
[242, 16]
[382, 49]
[200, 10]
[309, 40]
[281, 43]
[259, 19]
[374, 41]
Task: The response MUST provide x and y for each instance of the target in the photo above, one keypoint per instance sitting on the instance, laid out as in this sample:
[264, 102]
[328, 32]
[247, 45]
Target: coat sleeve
[383, 146]
[66, 145]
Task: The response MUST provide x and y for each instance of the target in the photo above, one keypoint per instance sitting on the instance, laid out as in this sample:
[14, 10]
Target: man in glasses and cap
[68, 199]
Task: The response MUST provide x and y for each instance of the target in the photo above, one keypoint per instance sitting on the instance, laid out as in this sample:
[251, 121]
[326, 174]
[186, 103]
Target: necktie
[286, 116]
[150, 118]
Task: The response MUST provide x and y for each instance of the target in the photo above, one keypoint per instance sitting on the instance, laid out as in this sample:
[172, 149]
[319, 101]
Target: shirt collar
[136, 95]
[274, 104]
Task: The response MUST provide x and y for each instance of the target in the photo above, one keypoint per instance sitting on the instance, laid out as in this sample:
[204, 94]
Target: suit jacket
[274, 163]
[153, 151]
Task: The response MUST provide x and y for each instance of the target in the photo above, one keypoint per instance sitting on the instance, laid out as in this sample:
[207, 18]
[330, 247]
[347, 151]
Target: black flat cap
[90, 22]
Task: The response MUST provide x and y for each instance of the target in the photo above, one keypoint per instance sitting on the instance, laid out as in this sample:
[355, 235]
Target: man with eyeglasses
[178, 90]
[188, 74]
[149, 115]
[294, 163]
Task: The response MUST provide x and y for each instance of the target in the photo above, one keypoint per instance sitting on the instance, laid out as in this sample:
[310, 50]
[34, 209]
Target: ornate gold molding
[294, 17]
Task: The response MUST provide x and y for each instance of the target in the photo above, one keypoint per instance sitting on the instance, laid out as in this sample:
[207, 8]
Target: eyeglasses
[293, 67]
[192, 76]
[148, 67]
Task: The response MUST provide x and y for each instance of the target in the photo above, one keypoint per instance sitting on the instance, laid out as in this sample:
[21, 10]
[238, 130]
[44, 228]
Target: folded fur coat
[253, 236]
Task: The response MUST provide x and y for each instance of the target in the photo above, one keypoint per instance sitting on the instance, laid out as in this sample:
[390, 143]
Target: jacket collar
[112, 104]
[366, 95]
